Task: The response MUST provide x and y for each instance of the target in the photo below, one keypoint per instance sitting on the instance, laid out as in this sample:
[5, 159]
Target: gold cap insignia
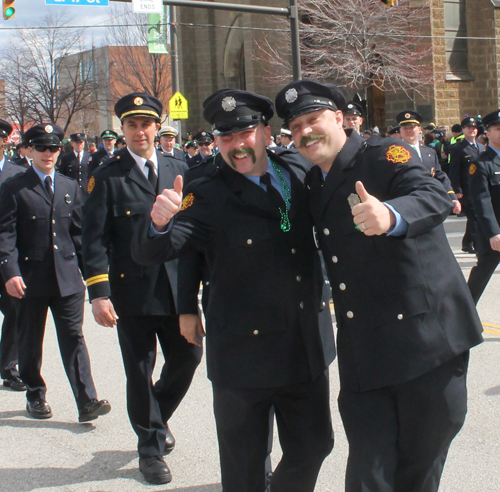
[138, 101]
[48, 129]
[397, 154]
[187, 202]
[91, 185]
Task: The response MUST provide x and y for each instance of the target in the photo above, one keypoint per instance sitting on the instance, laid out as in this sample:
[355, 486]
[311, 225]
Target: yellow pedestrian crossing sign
[178, 107]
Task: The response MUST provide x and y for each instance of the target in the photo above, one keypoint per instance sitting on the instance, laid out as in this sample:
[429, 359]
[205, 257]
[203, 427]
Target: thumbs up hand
[167, 205]
[371, 216]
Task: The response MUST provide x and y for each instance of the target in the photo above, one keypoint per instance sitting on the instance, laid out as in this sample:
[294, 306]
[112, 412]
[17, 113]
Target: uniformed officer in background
[205, 142]
[405, 317]
[40, 262]
[353, 116]
[22, 160]
[462, 155]
[74, 164]
[286, 139]
[108, 140]
[410, 123]
[264, 348]
[167, 137]
[8, 306]
[484, 183]
[140, 301]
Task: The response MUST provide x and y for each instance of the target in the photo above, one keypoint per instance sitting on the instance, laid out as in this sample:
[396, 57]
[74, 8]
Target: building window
[455, 25]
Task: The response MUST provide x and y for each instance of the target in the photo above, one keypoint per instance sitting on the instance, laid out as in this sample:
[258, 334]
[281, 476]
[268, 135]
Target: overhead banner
[159, 31]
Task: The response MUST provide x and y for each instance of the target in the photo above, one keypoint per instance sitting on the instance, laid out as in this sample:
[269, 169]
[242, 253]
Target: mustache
[244, 150]
[313, 136]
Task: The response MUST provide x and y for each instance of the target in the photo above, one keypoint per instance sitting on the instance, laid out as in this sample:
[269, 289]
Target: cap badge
[67, 199]
[291, 95]
[203, 134]
[49, 129]
[397, 154]
[407, 115]
[350, 106]
[138, 101]
[228, 103]
[498, 114]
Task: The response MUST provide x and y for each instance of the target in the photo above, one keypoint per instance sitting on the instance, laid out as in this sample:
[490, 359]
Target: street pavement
[64, 456]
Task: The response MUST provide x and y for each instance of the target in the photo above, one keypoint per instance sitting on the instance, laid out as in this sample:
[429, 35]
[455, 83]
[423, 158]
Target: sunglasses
[43, 148]
[204, 144]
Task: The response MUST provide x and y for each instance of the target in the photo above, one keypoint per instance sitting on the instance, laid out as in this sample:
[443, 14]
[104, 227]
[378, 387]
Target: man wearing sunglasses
[205, 141]
[40, 262]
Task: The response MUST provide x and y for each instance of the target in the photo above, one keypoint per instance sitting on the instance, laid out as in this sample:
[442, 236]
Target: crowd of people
[260, 221]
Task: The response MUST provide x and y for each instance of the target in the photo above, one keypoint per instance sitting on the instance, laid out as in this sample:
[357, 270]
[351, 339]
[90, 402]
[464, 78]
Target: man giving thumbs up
[405, 318]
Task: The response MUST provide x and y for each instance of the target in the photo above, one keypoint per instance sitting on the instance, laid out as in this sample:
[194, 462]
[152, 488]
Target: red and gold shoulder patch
[187, 202]
[91, 185]
[433, 172]
[398, 154]
[472, 169]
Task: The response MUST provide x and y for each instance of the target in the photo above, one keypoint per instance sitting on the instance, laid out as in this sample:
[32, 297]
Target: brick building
[215, 53]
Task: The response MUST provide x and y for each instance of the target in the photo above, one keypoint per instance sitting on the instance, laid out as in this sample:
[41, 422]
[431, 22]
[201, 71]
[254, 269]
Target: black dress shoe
[39, 409]
[15, 383]
[93, 409]
[169, 441]
[155, 470]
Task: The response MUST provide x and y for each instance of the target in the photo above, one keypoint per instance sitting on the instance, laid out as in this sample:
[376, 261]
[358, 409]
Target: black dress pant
[304, 428]
[399, 436]
[469, 238]
[480, 274]
[68, 319]
[151, 406]
[8, 343]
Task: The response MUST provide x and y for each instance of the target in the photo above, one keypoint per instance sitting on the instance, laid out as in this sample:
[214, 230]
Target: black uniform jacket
[96, 159]
[22, 161]
[196, 159]
[265, 284]
[11, 169]
[120, 195]
[462, 155]
[431, 162]
[401, 303]
[69, 166]
[485, 195]
[41, 241]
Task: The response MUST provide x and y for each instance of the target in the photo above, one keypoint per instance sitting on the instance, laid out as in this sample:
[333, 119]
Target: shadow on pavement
[105, 465]
[6, 419]
[493, 391]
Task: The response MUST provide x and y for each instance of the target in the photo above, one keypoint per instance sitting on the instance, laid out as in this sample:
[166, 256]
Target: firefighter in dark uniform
[251, 221]
[40, 261]
[462, 155]
[8, 305]
[167, 146]
[484, 184]
[22, 160]
[108, 140]
[405, 317]
[140, 301]
[353, 116]
[205, 142]
[75, 164]
[410, 123]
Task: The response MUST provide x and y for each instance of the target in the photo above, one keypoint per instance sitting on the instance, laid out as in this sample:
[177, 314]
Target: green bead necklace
[287, 196]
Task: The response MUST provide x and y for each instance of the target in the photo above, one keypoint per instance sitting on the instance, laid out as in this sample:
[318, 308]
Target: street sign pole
[291, 12]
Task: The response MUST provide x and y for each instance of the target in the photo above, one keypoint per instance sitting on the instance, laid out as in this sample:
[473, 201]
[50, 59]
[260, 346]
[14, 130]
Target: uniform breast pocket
[494, 180]
[128, 210]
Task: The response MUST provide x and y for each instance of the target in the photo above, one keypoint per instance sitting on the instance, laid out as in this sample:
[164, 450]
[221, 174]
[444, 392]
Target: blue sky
[29, 13]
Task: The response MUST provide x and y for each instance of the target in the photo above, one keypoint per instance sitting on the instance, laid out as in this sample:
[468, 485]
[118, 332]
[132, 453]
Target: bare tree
[50, 78]
[357, 44]
[139, 70]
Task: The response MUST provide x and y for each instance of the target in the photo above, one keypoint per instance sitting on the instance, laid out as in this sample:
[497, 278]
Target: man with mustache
[405, 318]
[264, 348]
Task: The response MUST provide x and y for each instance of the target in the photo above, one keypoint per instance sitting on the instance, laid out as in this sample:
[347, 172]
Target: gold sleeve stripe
[98, 278]
[451, 192]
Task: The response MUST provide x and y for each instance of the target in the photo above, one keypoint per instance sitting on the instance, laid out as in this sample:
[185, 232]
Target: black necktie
[48, 187]
[78, 157]
[152, 177]
[273, 193]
